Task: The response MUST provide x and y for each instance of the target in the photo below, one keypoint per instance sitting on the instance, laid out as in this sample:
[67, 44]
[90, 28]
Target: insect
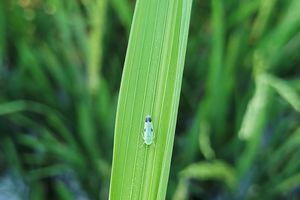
[148, 135]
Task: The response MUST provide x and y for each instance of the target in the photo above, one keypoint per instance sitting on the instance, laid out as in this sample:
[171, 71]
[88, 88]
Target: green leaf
[54, 117]
[48, 171]
[2, 32]
[253, 124]
[98, 19]
[123, 10]
[289, 184]
[270, 48]
[203, 171]
[284, 90]
[12, 107]
[261, 21]
[62, 191]
[254, 116]
[216, 170]
[151, 85]
[285, 151]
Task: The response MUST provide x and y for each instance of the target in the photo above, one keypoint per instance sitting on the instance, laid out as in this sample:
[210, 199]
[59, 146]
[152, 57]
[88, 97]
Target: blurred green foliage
[238, 126]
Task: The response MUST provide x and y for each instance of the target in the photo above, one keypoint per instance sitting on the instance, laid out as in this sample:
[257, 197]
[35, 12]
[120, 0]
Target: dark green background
[56, 134]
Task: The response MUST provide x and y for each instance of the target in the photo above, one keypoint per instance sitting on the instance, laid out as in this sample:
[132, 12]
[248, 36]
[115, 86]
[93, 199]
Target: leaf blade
[150, 85]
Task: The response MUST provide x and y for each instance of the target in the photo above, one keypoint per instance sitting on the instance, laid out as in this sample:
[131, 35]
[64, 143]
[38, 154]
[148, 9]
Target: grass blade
[283, 89]
[204, 171]
[98, 17]
[151, 84]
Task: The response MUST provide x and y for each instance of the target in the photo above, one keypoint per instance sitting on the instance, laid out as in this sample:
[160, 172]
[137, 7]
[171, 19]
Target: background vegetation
[237, 134]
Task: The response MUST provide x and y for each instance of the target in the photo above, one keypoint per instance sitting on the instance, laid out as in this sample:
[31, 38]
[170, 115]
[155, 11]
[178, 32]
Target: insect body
[148, 131]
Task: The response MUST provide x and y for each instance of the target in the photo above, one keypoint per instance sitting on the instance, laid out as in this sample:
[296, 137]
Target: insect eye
[144, 129]
[152, 129]
[148, 119]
